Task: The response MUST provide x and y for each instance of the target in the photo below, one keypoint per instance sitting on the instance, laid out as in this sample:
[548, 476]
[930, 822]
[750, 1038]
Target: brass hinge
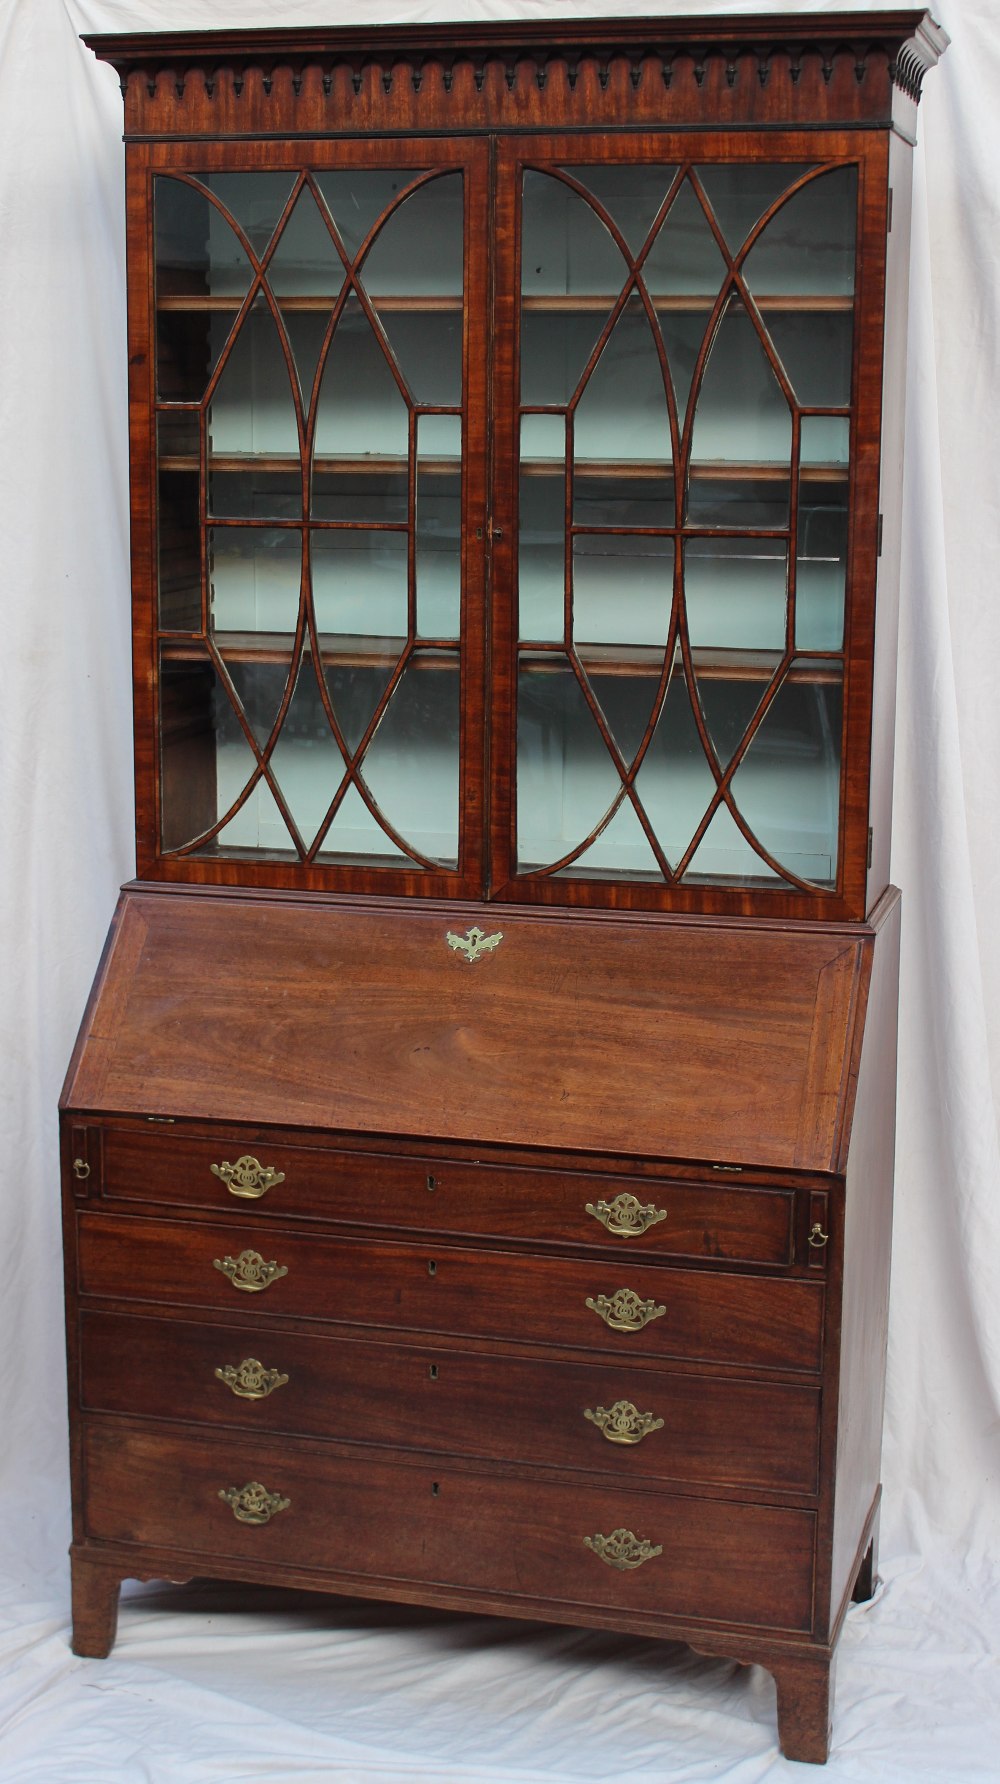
[888, 219]
[871, 838]
[879, 551]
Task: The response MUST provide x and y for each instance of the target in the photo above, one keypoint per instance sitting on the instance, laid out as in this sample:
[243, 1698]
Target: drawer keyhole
[433, 1372]
[432, 1183]
[432, 1268]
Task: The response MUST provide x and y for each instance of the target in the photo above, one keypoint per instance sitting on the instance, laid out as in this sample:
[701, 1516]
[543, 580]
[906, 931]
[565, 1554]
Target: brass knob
[251, 1381]
[81, 1169]
[253, 1504]
[247, 1178]
[624, 1311]
[622, 1550]
[626, 1215]
[249, 1271]
[622, 1422]
[817, 1237]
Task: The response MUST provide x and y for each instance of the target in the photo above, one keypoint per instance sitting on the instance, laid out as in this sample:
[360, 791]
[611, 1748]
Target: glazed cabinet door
[310, 697]
[685, 446]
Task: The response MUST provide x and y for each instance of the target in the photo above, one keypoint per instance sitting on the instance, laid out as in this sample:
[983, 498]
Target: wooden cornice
[895, 46]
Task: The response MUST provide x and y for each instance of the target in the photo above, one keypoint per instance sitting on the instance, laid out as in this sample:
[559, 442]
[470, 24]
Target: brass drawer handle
[474, 943]
[624, 1311]
[247, 1178]
[81, 1169]
[253, 1504]
[626, 1215]
[249, 1271]
[817, 1237]
[623, 1550]
[620, 1423]
[251, 1381]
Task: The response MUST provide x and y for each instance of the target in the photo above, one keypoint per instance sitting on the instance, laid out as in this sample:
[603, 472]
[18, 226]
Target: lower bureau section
[636, 1423]
[250, 1501]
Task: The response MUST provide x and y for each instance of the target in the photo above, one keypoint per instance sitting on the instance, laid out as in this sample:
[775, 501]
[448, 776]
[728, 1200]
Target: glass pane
[357, 837]
[306, 760]
[254, 578]
[623, 587]
[178, 527]
[566, 780]
[439, 530]
[565, 248]
[362, 412]
[556, 344]
[815, 348]
[735, 593]
[206, 761]
[359, 582]
[685, 258]
[729, 701]
[631, 195]
[306, 274]
[256, 493]
[675, 782]
[305, 263]
[624, 691]
[622, 848]
[740, 192]
[352, 491]
[199, 260]
[788, 784]
[742, 418]
[742, 415]
[622, 412]
[825, 439]
[252, 409]
[255, 201]
[411, 767]
[821, 568]
[398, 260]
[808, 246]
[357, 675]
[541, 571]
[357, 197]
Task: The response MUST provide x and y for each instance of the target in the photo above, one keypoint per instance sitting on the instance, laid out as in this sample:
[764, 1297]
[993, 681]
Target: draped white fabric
[224, 1684]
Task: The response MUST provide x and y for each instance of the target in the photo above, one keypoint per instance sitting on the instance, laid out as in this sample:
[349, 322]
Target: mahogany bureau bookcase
[478, 1148]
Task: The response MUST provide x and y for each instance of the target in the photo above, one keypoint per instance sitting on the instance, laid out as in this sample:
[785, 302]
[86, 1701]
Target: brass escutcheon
[626, 1215]
[817, 1237]
[249, 1271]
[253, 1504]
[624, 1311]
[474, 943]
[622, 1422]
[622, 1549]
[251, 1381]
[247, 1178]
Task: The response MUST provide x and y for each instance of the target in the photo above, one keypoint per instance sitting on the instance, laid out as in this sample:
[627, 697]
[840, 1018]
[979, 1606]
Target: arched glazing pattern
[310, 415]
[686, 351]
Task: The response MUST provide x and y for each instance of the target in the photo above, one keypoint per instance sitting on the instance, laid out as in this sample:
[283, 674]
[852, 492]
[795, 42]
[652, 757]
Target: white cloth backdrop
[202, 1685]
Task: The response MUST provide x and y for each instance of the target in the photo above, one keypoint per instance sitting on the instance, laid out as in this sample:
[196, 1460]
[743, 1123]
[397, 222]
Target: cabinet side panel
[890, 507]
[867, 1244]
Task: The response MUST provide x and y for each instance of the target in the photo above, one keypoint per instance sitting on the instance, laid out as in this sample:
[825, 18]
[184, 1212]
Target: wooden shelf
[346, 650]
[718, 470]
[637, 660]
[277, 462]
[554, 303]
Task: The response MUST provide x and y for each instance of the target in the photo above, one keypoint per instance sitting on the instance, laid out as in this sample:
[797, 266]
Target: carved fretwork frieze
[826, 68]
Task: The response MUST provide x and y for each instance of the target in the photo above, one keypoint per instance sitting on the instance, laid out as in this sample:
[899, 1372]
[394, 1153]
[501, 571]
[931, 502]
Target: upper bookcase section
[824, 69]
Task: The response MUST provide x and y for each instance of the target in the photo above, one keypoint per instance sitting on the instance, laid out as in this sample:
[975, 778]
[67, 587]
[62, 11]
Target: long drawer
[693, 1314]
[362, 1189]
[636, 1424]
[704, 1559]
